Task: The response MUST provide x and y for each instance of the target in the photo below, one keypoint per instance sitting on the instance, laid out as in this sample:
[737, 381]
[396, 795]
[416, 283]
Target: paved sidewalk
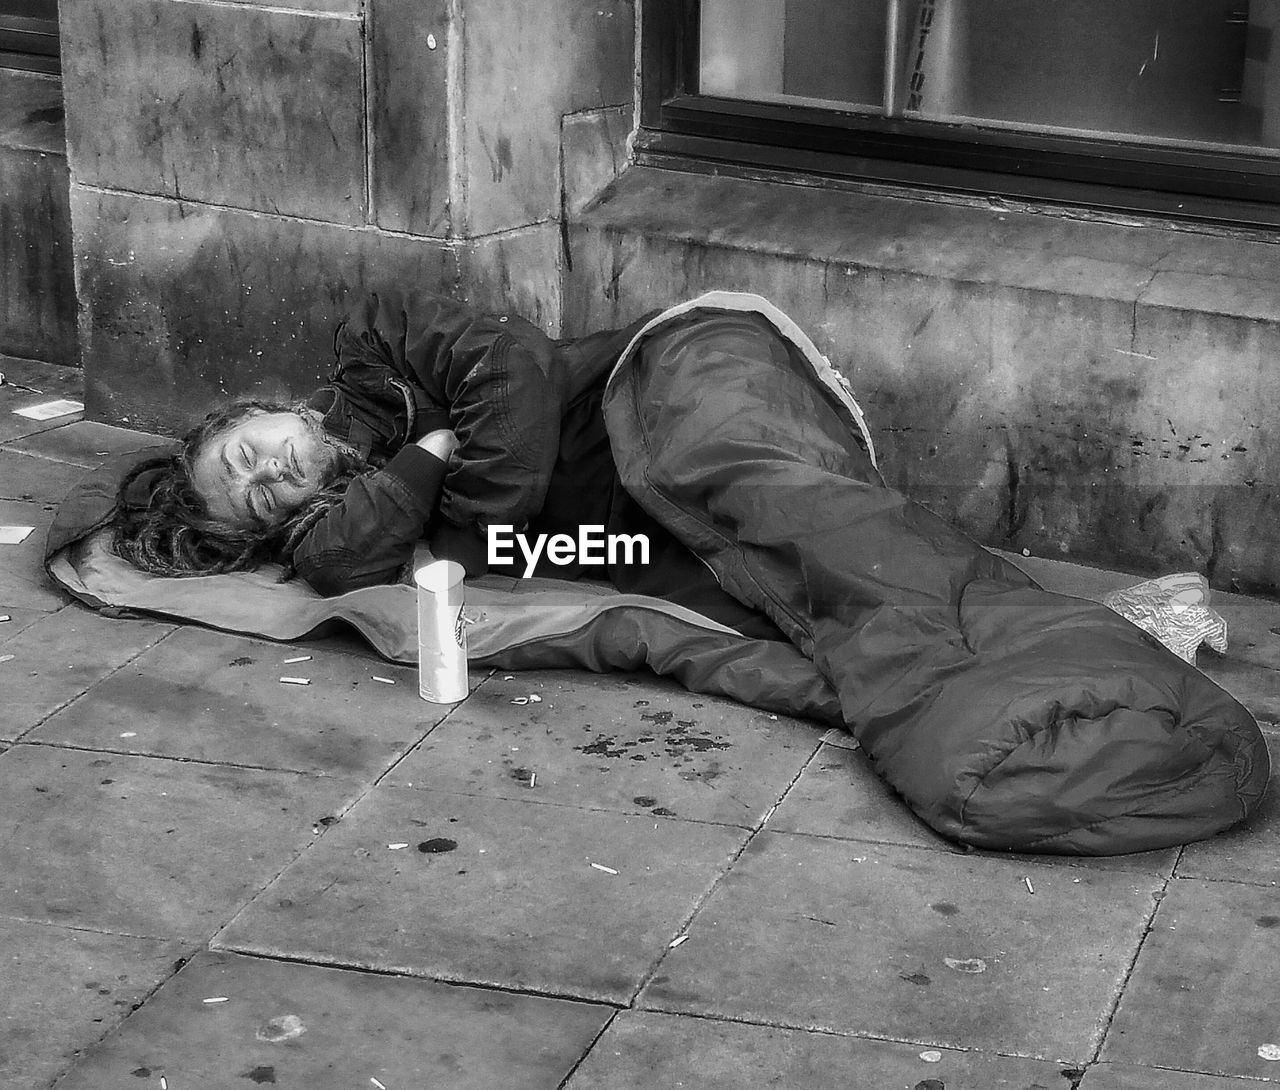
[213, 880]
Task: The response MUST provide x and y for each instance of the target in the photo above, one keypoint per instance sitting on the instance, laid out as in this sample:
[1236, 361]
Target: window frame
[679, 125]
[29, 44]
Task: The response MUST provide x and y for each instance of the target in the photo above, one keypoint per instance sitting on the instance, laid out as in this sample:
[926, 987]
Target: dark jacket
[525, 409]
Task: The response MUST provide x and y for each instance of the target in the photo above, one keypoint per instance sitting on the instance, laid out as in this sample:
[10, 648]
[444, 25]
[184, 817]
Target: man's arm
[368, 536]
[495, 380]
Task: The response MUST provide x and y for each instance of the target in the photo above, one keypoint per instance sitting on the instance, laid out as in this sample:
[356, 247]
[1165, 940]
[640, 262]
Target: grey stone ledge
[1147, 263]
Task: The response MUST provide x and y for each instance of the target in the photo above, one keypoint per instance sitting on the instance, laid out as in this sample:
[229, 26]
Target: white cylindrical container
[442, 640]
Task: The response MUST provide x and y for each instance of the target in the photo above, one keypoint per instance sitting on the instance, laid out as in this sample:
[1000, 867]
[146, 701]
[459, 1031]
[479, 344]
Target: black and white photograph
[639, 544]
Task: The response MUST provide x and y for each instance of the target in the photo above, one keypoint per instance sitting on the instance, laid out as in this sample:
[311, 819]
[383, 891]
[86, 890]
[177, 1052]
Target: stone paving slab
[59, 656]
[319, 1028]
[22, 578]
[144, 846]
[19, 620]
[490, 891]
[52, 381]
[839, 795]
[1256, 687]
[909, 944]
[63, 990]
[1202, 996]
[642, 1050]
[86, 443]
[604, 742]
[32, 478]
[1132, 1077]
[212, 696]
[1253, 631]
[1246, 852]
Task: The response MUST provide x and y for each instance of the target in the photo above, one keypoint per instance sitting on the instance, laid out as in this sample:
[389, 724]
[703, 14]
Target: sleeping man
[436, 423]
[1007, 716]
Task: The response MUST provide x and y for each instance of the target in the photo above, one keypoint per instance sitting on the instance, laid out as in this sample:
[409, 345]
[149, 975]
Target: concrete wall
[240, 170]
[37, 292]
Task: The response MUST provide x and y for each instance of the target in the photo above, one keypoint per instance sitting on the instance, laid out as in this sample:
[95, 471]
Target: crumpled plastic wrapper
[1175, 610]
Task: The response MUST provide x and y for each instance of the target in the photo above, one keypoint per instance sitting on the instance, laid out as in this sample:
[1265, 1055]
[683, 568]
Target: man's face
[262, 469]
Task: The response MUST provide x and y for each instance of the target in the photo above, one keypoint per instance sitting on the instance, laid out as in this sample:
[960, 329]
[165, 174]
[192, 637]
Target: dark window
[29, 35]
[1168, 106]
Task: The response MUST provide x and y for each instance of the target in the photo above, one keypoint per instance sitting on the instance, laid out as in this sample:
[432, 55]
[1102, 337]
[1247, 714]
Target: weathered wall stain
[37, 289]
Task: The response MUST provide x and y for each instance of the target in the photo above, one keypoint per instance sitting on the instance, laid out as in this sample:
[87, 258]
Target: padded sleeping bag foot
[1007, 717]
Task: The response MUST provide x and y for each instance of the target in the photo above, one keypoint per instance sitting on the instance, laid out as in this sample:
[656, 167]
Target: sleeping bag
[1008, 717]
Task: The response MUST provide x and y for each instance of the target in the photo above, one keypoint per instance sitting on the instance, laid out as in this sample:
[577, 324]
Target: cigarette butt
[384, 680]
[216, 999]
[5, 658]
[1030, 888]
[377, 1083]
[677, 941]
[299, 658]
[5, 617]
[601, 866]
[533, 778]
[509, 677]
[164, 1083]
[520, 700]
[397, 847]
[129, 734]
[296, 680]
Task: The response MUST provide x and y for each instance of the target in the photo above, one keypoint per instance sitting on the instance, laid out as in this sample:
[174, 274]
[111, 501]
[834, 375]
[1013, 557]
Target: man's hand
[441, 442]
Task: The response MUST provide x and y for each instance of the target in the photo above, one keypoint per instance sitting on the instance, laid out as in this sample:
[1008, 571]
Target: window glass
[1189, 73]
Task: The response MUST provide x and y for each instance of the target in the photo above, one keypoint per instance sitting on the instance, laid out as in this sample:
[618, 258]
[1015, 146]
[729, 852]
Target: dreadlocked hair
[172, 534]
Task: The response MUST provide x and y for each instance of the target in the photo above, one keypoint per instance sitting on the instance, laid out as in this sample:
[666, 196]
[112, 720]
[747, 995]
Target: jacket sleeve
[369, 535]
[372, 401]
[494, 380]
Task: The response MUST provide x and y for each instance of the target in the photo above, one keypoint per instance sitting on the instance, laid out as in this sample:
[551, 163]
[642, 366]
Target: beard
[334, 461]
